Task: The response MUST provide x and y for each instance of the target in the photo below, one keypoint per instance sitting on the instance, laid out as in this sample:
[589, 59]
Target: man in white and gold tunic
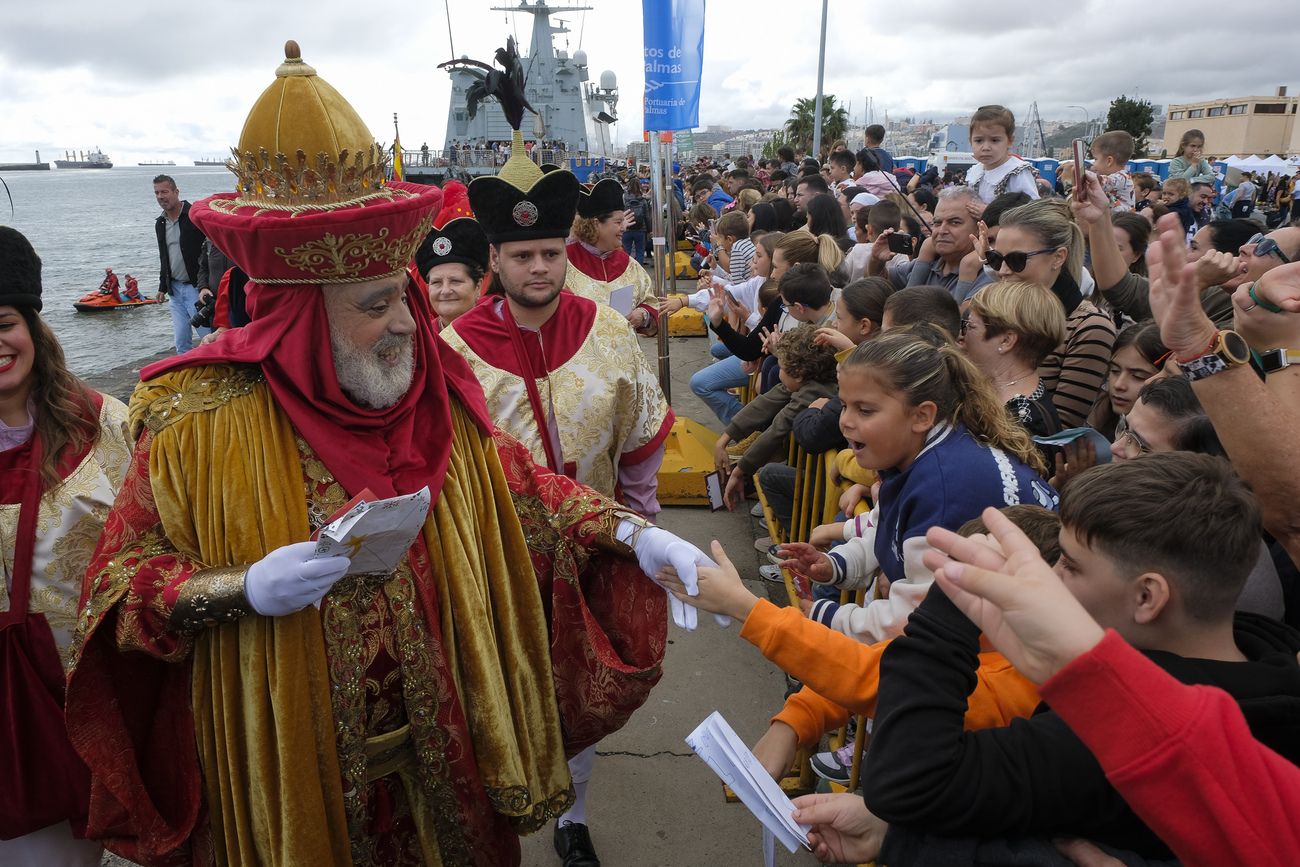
[562, 373]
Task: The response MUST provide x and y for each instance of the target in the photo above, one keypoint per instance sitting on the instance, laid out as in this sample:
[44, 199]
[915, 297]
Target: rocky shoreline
[120, 381]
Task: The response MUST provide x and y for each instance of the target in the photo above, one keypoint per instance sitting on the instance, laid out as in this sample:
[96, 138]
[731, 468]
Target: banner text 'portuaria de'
[674, 62]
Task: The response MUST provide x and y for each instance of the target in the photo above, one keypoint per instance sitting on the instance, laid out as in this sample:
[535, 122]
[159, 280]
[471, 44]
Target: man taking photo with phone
[947, 258]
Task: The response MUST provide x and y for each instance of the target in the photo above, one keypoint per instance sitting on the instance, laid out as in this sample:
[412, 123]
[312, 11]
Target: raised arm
[1255, 421]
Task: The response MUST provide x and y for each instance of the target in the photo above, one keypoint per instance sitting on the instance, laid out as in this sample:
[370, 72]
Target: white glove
[288, 579]
[655, 549]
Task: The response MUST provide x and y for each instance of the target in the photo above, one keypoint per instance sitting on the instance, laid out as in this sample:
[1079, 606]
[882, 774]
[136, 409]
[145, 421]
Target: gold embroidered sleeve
[210, 597]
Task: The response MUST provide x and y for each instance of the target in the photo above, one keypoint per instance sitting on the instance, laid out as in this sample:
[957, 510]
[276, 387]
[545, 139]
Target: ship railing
[476, 157]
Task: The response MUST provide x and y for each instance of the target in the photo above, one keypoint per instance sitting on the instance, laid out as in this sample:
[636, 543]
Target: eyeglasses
[1142, 445]
[966, 325]
[1263, 246]
[1016, 261]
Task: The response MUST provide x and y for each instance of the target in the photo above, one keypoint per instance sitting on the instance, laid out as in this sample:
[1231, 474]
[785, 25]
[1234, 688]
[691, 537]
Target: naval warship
[572, 127]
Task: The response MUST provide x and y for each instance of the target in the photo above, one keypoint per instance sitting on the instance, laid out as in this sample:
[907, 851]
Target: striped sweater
[1076, 370]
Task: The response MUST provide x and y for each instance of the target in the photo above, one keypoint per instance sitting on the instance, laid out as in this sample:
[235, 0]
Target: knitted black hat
[461, 240]
[20, 271]
[604, 198]
[509, 213]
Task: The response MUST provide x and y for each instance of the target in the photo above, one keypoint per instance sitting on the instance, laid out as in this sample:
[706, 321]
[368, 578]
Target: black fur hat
[508, 213]
[20, 271]
[604, 198]
[461, 240]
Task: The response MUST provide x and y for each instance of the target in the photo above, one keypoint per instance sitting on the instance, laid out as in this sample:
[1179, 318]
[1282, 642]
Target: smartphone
[900, 242]
[1080, 167]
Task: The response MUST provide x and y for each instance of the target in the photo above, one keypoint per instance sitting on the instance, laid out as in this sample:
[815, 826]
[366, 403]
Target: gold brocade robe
[70, 520]
[412, 720]
[594, 383]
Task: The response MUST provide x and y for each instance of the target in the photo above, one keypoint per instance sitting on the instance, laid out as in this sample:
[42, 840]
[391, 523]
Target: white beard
[364, 377]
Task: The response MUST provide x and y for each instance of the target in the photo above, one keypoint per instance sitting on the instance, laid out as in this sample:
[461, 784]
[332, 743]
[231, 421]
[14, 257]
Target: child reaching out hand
[921, 415]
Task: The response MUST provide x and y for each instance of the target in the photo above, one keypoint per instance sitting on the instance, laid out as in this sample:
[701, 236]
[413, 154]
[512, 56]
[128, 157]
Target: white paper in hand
[723, 751]
[621, 299]
[375, 535]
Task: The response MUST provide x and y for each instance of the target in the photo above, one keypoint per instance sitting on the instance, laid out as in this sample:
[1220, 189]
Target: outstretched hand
[719, 588]
[803, 559]
[1010, 592]
[843, 830]
[1174, 296]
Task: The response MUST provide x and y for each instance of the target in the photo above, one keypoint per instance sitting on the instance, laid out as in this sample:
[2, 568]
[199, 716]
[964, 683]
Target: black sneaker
[573, 845]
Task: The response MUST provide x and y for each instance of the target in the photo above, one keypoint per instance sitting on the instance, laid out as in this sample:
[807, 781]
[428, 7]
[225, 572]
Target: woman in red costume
[63, 454]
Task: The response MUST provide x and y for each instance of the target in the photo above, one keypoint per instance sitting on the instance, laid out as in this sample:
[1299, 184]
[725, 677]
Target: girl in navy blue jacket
[921, 415]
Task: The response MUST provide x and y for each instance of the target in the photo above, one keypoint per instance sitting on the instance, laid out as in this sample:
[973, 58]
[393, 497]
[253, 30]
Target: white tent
[1255, 163]
[1277, 165]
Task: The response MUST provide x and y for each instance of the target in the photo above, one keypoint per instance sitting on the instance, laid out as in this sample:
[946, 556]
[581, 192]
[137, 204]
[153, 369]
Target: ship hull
[77, 164]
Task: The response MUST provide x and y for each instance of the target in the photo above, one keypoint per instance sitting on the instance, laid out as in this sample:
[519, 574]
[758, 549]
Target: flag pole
[397, 151]
[659, 243]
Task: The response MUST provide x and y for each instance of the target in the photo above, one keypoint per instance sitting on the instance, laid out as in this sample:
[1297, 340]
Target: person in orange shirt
[842, 675]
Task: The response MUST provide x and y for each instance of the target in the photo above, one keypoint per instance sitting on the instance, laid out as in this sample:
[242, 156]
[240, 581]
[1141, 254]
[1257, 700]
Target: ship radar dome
[580, 57]
[608, 80]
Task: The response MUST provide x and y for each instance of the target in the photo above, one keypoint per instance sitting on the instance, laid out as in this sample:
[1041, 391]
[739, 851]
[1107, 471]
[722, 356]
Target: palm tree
[799, 126]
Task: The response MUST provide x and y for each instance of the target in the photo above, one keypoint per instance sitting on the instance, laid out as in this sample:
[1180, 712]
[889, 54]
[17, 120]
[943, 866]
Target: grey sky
[157, 81]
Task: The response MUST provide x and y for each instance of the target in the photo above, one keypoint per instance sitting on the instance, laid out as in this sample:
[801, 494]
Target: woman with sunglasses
[1039, 243]
[64, 451]
[1009, 328]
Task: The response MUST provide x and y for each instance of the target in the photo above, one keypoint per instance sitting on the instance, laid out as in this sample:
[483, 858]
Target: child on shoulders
[992, 132]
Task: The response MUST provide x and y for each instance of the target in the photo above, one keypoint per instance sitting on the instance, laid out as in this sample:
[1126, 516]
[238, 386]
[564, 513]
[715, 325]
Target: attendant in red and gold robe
[562, 374]
[598, 264]
[63, 453]
[238, 699]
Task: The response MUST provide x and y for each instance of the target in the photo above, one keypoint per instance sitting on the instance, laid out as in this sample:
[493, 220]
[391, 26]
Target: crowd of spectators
[1065, 422]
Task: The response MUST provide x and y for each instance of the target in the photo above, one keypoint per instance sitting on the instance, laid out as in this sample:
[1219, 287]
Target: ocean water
[82, 221]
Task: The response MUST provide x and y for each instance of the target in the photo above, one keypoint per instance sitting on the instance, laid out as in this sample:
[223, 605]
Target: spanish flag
[397, 151]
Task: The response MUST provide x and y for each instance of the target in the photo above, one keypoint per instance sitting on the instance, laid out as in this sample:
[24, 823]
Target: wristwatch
[1273, 360]
[1229, 349]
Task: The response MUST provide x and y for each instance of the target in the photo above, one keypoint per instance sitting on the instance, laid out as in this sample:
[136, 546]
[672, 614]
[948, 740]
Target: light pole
[817, 110]
[1087, 120]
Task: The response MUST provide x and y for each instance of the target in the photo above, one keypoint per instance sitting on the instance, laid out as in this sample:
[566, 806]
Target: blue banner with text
[674, 63]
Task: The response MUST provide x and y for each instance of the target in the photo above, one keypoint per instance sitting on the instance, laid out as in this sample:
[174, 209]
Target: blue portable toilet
[1047, 168]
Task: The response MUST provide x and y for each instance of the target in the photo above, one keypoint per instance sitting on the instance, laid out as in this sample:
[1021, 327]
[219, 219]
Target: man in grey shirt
[180, 244]
[940, 259]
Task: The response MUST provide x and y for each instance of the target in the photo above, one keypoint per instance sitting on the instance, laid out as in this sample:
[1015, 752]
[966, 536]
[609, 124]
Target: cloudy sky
[146, 80]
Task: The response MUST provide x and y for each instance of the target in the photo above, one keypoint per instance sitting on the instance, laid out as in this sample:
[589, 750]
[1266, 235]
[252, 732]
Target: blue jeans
[711, 383]
[634, 246]
[719, 350]
[184, 297]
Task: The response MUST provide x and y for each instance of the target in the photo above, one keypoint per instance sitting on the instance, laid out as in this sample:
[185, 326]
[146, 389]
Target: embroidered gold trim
[200, 396]
[335, 258]
[113, 582]
[210, 597]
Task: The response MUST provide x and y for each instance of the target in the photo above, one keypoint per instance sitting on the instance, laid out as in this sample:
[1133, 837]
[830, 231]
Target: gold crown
[335, 160]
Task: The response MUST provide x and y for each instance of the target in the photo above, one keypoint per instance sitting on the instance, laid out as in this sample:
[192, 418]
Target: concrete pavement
[651, 801]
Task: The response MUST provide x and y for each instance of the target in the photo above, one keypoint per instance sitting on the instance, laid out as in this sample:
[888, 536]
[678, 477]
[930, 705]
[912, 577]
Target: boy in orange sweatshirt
[842, 675]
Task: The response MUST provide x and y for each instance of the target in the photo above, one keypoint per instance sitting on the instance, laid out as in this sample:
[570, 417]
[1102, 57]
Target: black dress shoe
[573, 845]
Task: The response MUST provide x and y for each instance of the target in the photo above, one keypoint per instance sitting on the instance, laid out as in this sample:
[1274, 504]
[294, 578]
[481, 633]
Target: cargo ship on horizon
[95, 159]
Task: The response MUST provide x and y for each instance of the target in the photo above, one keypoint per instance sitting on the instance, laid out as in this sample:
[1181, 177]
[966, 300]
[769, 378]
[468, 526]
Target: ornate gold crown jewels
[266, 180]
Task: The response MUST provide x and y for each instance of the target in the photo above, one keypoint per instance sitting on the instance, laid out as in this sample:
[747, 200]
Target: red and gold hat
[312, 204]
